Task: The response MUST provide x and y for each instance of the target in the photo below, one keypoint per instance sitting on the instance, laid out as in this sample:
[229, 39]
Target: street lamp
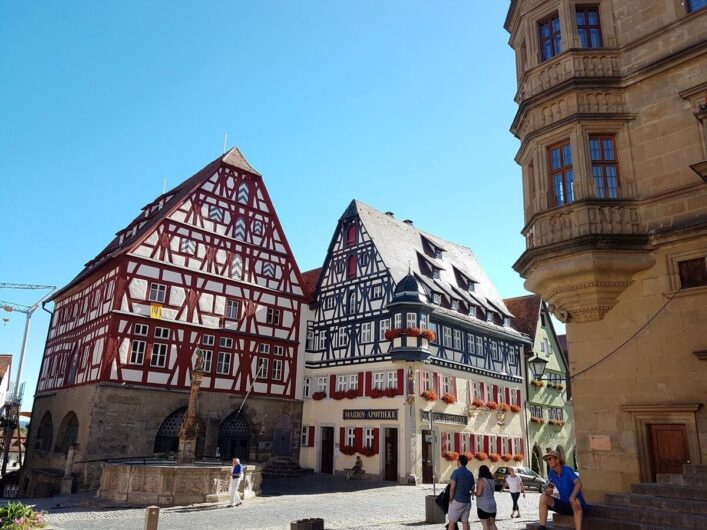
[537, 366]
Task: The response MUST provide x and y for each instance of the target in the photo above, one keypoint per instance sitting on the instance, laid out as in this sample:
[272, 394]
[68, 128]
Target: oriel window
[561, 173]
[603, 154]
[588, 26]
[549, 30]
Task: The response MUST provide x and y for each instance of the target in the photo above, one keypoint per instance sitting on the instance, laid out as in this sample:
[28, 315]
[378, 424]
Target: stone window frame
[673, 276]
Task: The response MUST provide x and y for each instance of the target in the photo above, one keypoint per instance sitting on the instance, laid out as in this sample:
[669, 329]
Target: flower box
[535, 419]
[393, 333]
[413, 332]
[449, 398]
[318, 395]
[478, 403]
[348, 450]
[429, 395]
[481, 456]
[494, 457]
[451, 456]
[519, 457]
[537, 383]
[390, 392]
[338, 395]
[505, 407]
[469, 455]
[556, 386]
[558, 423]
[428, 334]
[507, 457]
[377, 393]
[491, 405]
[351, 394]
[515, 408]
[367, 451]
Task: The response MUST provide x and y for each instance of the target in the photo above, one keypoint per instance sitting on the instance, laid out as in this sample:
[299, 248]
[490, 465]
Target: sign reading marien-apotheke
[444, 418]
[371, 414]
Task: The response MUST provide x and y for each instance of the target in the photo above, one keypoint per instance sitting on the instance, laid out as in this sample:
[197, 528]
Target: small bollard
[152, 517]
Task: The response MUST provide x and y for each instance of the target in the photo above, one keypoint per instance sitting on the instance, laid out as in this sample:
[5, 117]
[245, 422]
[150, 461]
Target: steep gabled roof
[310, 279]
[526, 313]
[150, 217]
[400, 243]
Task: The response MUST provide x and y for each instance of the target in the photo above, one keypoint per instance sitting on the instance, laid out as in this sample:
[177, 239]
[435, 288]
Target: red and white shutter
[358, 438]
[375, 441]
[443, 445]
[457, 442]
[310, 435]
[401, 382]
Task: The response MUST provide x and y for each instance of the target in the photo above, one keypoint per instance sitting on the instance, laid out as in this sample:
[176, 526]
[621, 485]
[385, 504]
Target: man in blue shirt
[236, 475]
[461, 485]
[571, 501]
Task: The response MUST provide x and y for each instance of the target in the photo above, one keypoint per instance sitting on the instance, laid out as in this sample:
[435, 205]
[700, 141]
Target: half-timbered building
[204, 267]
[410, 357]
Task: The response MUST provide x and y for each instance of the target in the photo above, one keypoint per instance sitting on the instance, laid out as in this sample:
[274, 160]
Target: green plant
[17, 516]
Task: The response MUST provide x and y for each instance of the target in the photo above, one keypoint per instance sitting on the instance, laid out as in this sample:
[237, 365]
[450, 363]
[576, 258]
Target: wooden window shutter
[508, 395]
[518, 397]
[457, 441]
[342, 437]
[487, 444]
[332, 385]
[401, 382]
[454, 388]
[472, 443]
[499, 445]
[482, 389]
[310, 436]
[495, 393]
[369, 377]
[443, 445]
[436, 383]
[359, 387]
[376, 443]
[522, 447]
[422, 381]
[358, 438]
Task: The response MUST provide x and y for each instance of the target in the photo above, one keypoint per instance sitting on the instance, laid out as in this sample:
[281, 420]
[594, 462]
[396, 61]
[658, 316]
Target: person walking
[515, 486]
[571, 501]
[485, 501]
[236, 474]
[461, 484]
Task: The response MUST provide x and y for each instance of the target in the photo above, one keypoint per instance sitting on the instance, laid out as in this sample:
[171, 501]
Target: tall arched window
[351, 266]
[44, 433]
[68, 433]
[351, 235]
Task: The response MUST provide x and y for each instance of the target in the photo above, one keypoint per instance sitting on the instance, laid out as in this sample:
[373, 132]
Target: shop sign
[371, 414]
[441, 417]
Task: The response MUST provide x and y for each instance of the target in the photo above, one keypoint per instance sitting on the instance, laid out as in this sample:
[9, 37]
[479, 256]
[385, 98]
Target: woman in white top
[515, 486]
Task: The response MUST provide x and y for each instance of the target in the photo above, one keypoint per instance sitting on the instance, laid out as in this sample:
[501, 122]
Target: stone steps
[284, 468]
[675, 502]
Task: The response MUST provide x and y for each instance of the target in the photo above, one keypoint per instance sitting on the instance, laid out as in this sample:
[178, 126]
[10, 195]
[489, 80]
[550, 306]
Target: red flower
[413, 332]
[469, 455]
[377, 393]
[505, 407]
[451, 456]
[478, 403]
[428, 334]
[351, 394]
[494, 457]
[491, 405]
[448, 398]
[318, 395]
[429, 395]
[515, 408]
[518, 457]
[390, 392]
[338, 395]
[367, 451]
[393, 333]
[507, 457]
[481, 456]
[348, 450]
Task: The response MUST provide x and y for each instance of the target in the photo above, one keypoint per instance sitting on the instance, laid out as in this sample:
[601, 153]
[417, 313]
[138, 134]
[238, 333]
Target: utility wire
[644, 326]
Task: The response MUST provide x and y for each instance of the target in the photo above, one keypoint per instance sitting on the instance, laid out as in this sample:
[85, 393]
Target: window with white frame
[536, 411]
[278, 350]
[310, 340]
[495, 353]
[350, 437]
[322, 384]
[384, 326]
[493, 444]
[329, 302]
[489, 392]
[411, 320]
[322, 340]
[277, 370]
[223, 363]
[514, 397]
[501, 394]
[207, 340]
[448, 441]
[465, 442]
[366, 332]
[457, 340]
[334, 339]
[207, 355]
[392, 380]
[476, 390]
[427, 381]
[556, 413]
[137, 352]
[232, 307]
[305, 436]
[397, 320]
[262, 368]
[341, 383]
[447, 337]
[368, 437]
[436, 298]
[470, 344]
[423, 321]
[263, 348]
[455, 305]
[273, 316]
[343, 336]
[472, 311]
[187, 246]
[141, 329]
[379, 380]
[545, 347]
[307, 386]
[479, 443]
[505, 446]
[158, 293]
[433, 327]
[158, 359]
[353, 382]
[377, 292]
[446, 384]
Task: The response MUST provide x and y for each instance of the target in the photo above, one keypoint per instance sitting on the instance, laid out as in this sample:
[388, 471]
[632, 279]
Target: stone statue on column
[191, 426]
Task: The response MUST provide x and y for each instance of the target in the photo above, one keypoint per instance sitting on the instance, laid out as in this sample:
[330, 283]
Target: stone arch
[234, 437]
[536, 458]
[282, 436]
[167, 438]
[68, 433]
[45, 432]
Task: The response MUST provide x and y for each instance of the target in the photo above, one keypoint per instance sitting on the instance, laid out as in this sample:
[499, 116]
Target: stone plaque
[599, 442]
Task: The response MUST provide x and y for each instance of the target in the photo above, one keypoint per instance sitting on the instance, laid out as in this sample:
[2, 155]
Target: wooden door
[669, 449]
[427, 456]
[391, 454]
[327, 455]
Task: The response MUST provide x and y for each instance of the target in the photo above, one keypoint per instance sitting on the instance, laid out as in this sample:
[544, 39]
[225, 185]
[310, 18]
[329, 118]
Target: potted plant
[348, 450]
[519, 457]
[376, 393]
[469, 455]
[428, 334]
[448, 398]
[413, 332]
[429, 395]
[515, 408]
[535, 419]
[478, 403]
[537, 383]
[491, 405]
[318, 395]
[507, 457]
[451, 456]
[393, 333]
[481, 455]
[367, 451]
[494, 457]
[505, 407]
[390, 392]
[351, 394]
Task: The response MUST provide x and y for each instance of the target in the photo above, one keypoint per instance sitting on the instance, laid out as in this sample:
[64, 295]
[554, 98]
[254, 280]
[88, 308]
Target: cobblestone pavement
[344, 505]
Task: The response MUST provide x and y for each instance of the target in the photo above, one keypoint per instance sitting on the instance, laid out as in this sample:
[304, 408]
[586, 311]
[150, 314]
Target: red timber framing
[204, 266]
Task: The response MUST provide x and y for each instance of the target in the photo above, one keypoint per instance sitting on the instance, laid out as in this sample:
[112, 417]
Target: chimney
[390, 214]
[408, 222]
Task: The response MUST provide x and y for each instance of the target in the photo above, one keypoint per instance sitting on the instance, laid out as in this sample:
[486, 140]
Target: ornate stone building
[205, 266]
[611, 118]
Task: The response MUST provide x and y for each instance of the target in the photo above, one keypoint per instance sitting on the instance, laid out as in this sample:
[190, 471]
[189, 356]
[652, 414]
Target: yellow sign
[156, 311]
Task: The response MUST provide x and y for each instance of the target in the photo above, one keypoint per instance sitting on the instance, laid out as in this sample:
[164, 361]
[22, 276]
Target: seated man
[571, 501]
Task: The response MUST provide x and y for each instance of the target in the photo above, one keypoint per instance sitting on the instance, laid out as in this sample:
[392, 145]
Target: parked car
[530, 478]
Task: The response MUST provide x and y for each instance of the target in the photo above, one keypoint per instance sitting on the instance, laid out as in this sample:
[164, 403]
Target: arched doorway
[45, 433]
[234, 437]
[167, 439]
[68, 433]
[282, 436]
[535, 461]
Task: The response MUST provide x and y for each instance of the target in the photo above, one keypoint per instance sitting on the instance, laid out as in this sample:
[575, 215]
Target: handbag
[442, 499]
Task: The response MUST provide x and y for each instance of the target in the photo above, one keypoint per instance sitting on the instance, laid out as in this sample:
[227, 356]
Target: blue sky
[403, 105]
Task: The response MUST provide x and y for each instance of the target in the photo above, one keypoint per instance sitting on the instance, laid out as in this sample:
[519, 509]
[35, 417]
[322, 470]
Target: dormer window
[438, 253]
[489, 316]
[436, 298]
[435, 274]
[455, 305]
[507, 321]
[472, 311]
[351, 235]
[471, 286]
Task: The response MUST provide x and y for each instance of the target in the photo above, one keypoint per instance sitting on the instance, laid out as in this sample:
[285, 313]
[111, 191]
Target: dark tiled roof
[310, 279]
[562, 340]
[526, 311]
[144, 223]
[5, 363]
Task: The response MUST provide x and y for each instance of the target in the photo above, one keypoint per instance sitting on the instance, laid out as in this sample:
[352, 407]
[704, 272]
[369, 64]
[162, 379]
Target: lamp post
[537, 366]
